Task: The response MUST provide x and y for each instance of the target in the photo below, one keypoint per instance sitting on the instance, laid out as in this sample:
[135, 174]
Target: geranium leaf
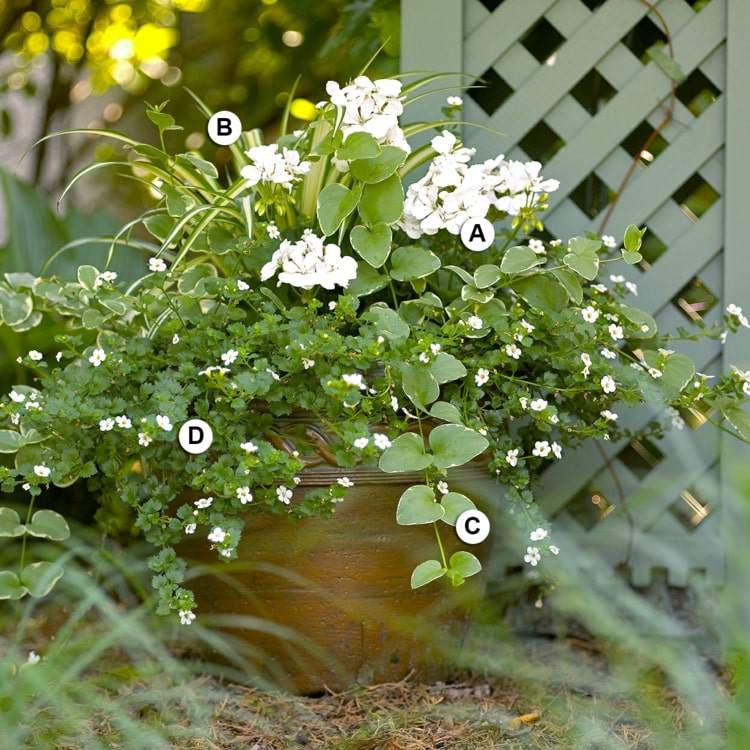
[383, 202]
[519, 259]
[405, 453]
[380, 167]
[373, 244]
[455, 504]
[358, 145]
[426, 572]
[454, 445]
[335, 203]
[50, 525]
[413, 262]
[417, 506]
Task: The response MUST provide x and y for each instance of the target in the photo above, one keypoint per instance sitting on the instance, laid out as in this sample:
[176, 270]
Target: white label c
[472, 526]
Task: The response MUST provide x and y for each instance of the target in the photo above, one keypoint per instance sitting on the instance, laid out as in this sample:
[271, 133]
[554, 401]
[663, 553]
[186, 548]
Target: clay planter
[334, 594]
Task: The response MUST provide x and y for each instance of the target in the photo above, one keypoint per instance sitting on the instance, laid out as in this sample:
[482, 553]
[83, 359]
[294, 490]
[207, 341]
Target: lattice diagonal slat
[571, 83]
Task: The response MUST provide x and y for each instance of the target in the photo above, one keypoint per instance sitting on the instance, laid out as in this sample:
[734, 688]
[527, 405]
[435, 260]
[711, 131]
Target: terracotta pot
[333, 596]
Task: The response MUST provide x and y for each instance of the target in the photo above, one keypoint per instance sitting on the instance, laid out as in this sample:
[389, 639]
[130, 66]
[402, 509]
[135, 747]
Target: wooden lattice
[576, 85]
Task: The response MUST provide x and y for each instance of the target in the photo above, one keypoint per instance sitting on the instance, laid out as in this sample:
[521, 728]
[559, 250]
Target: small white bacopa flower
[35, 356]
[475, 322]
[144, 440]
[381, 441]
[17, 397]
[284, 494]
[97, 357]
[608, 240]
[345, 482]
[513, 351]
[42, 471]
[217, 535]
[538, 534]
[249, 447]
[164, 422]
[186, 617]
[609, 416]
[230, 357]
[355, 380]
[156, 265]
[511, 457]
[204, 502]
[361, 442]
[586, 359]
[123, 422]
[590, 314]
[538, 404]
[532, 556]
[244, 495]
[615, 331]
[608, 384]
[542, 449]
[190, 528]
[482, 376]
[105, 425]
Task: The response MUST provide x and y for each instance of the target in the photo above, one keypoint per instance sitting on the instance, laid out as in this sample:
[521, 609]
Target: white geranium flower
[164, 422]
[381, 441]
[590, 314]
[97, 357]
[541, 448]
[244, 495]
[284, 494]
[156, 265]
[371, 107]
[230, 357]
[482, 376]
[309, 262]
[511, 457]
[270, 165]
[105, 425]
[608, 384]
[538, 404]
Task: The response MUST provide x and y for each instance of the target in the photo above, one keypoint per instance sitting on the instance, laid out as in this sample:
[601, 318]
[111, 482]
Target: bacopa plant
[315, 283]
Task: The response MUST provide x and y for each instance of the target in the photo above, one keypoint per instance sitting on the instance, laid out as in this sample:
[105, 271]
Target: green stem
[25, 535]
[440, 545]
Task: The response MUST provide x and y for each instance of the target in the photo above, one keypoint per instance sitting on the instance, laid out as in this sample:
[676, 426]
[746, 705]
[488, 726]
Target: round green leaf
[50, 525]
[335, 203]
[419, 385]
[373, 244]
[486, 276]
[445, 367]
[358, 145]
[383, 202]
[388, 322]
[368, 281]
[633, 238]
[519, 259]
[87, 276]
[464, 564]
[405, 453]
[41, 577]
[10, 441]
[739, 419]
[585, 264]
[413, 262]
[15, 307]
[192, 281]
[678, 371]
[445, 411]
[455, 504]
[426, 572]
[454, 445]
[379, 167]
[417, 506]
[543, 292]
[645, 324]
[10, 523]
[570, 281]
[10, 586]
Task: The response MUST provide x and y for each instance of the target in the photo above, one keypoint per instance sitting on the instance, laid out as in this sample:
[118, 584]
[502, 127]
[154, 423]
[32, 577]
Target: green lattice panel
[572, 83]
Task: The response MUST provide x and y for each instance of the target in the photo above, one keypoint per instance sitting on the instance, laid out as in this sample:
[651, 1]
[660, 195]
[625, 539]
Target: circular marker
[472, 526]
[195, 436]
[477, 234]
[224, 128]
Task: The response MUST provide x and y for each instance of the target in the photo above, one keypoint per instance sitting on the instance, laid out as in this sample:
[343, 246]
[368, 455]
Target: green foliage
[303, 285]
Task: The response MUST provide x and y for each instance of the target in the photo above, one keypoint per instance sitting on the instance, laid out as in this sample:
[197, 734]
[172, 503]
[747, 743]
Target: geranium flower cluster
[454, 191]
[270, 164]
[310, 262]
[371, 107]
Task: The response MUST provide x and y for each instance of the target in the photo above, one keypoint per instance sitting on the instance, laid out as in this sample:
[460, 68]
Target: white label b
[224, 128]
[195, 436]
